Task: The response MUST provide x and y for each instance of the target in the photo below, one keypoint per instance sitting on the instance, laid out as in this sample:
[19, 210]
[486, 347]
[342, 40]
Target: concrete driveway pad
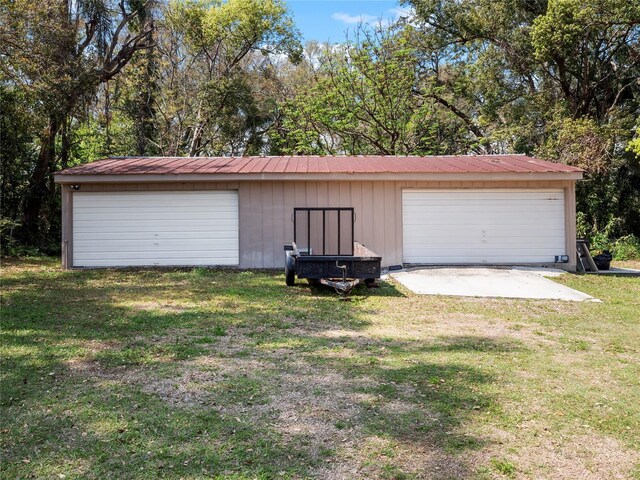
[515, 282]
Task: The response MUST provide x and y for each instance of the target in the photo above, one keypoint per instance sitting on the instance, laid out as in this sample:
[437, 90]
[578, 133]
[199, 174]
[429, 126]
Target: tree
[363, 100]
[57, 52]
[210, 52]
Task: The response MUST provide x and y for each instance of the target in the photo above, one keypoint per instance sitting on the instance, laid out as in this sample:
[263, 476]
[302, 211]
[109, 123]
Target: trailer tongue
[343, 263]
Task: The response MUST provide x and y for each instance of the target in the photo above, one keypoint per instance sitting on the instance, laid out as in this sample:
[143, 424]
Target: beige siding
[266, 219]
[266, 208]
[67, 227]
[570, 223]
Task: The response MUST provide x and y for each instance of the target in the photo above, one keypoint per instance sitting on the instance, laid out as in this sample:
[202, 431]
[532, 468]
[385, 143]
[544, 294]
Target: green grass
[223, 374]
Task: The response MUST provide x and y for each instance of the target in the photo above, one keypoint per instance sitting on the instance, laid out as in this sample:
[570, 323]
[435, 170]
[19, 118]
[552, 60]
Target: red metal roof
[318, 164]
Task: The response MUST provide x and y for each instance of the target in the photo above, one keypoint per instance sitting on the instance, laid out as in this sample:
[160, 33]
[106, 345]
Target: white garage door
[483, 226]
[155, 228]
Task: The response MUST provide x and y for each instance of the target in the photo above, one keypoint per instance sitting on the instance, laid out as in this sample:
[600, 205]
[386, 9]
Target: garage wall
[378, 207]
[266, 207]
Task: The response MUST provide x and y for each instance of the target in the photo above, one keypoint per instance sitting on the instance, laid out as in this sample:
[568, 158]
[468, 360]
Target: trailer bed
[363, 264]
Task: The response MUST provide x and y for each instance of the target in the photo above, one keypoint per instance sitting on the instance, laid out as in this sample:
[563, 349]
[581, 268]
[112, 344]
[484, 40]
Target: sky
[329, 20]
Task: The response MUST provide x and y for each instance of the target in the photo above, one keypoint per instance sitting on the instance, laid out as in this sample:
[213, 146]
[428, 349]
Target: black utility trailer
[343, 263]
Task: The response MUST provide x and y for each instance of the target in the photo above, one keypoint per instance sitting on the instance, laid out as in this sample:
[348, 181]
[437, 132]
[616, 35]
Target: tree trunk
[38, 193]
[194, 146]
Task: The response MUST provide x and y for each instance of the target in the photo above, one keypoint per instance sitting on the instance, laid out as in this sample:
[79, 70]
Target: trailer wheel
[290, 271]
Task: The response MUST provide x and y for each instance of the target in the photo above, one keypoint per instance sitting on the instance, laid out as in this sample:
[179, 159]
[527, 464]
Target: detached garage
[236, 211]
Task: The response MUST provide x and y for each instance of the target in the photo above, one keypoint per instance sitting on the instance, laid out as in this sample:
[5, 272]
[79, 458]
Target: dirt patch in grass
[313, 408]
[442, 326]
[379, 457]
[586, 456]
[160, 307]
[326, 413]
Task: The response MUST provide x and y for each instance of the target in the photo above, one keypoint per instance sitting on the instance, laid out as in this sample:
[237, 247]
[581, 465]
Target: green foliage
[634, 144]
[365, 101]
[218, 61]
[505, 467]
[236, 24]
[625, 247]
[18, 126]
[579, 142]
[95, 139]
[56, 55]
[568, 23]
[10, 246]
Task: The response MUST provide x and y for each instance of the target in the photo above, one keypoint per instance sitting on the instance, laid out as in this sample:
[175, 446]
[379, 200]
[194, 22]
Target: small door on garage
[155, 228]
[500, 226]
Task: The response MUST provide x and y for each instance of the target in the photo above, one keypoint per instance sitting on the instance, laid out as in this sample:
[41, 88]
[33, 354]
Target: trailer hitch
[343, 287]
[344, 271]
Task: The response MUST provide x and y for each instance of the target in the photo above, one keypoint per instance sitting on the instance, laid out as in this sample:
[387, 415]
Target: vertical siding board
[322, 199]
[356, 201]
[278, 210]
[244, 214]
[397, 257]
[312, 194]
[300, 199]
[378, 220]
[268, 229]
[312, 201]
[67, 227]
[389, 221]
[368, 215]
[345, 201]
[289, 203]
[333, 200]
[570, 224]
[256, 227]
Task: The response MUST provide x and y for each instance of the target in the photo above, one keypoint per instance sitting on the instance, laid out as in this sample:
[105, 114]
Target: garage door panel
[155, 199]
[130, 218]
[143, 227]
[479, 222]
[122, 238]
[483, 226]
[167, 255]
[194, 261]
[155, 228]
[136, 246]
[472, 232]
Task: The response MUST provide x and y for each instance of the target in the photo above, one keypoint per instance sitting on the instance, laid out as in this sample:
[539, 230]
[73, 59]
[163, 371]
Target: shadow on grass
[402, 390]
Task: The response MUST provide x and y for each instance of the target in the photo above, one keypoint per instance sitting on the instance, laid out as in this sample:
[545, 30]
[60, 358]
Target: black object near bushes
[603, 260]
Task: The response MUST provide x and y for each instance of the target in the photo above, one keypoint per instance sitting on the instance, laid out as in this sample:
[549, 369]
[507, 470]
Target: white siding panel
[155, 228]
[491, 226]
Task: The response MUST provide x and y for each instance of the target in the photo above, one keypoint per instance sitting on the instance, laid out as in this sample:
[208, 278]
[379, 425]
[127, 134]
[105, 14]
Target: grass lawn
[221, 374]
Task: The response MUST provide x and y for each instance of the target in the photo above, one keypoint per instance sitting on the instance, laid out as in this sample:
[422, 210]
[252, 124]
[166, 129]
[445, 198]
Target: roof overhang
[297, 177]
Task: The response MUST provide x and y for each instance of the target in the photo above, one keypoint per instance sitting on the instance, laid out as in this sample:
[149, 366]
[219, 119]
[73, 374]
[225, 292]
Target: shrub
[9, 246]
[626, 248]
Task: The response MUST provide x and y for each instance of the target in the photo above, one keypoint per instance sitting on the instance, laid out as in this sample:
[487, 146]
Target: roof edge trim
[225, 177]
